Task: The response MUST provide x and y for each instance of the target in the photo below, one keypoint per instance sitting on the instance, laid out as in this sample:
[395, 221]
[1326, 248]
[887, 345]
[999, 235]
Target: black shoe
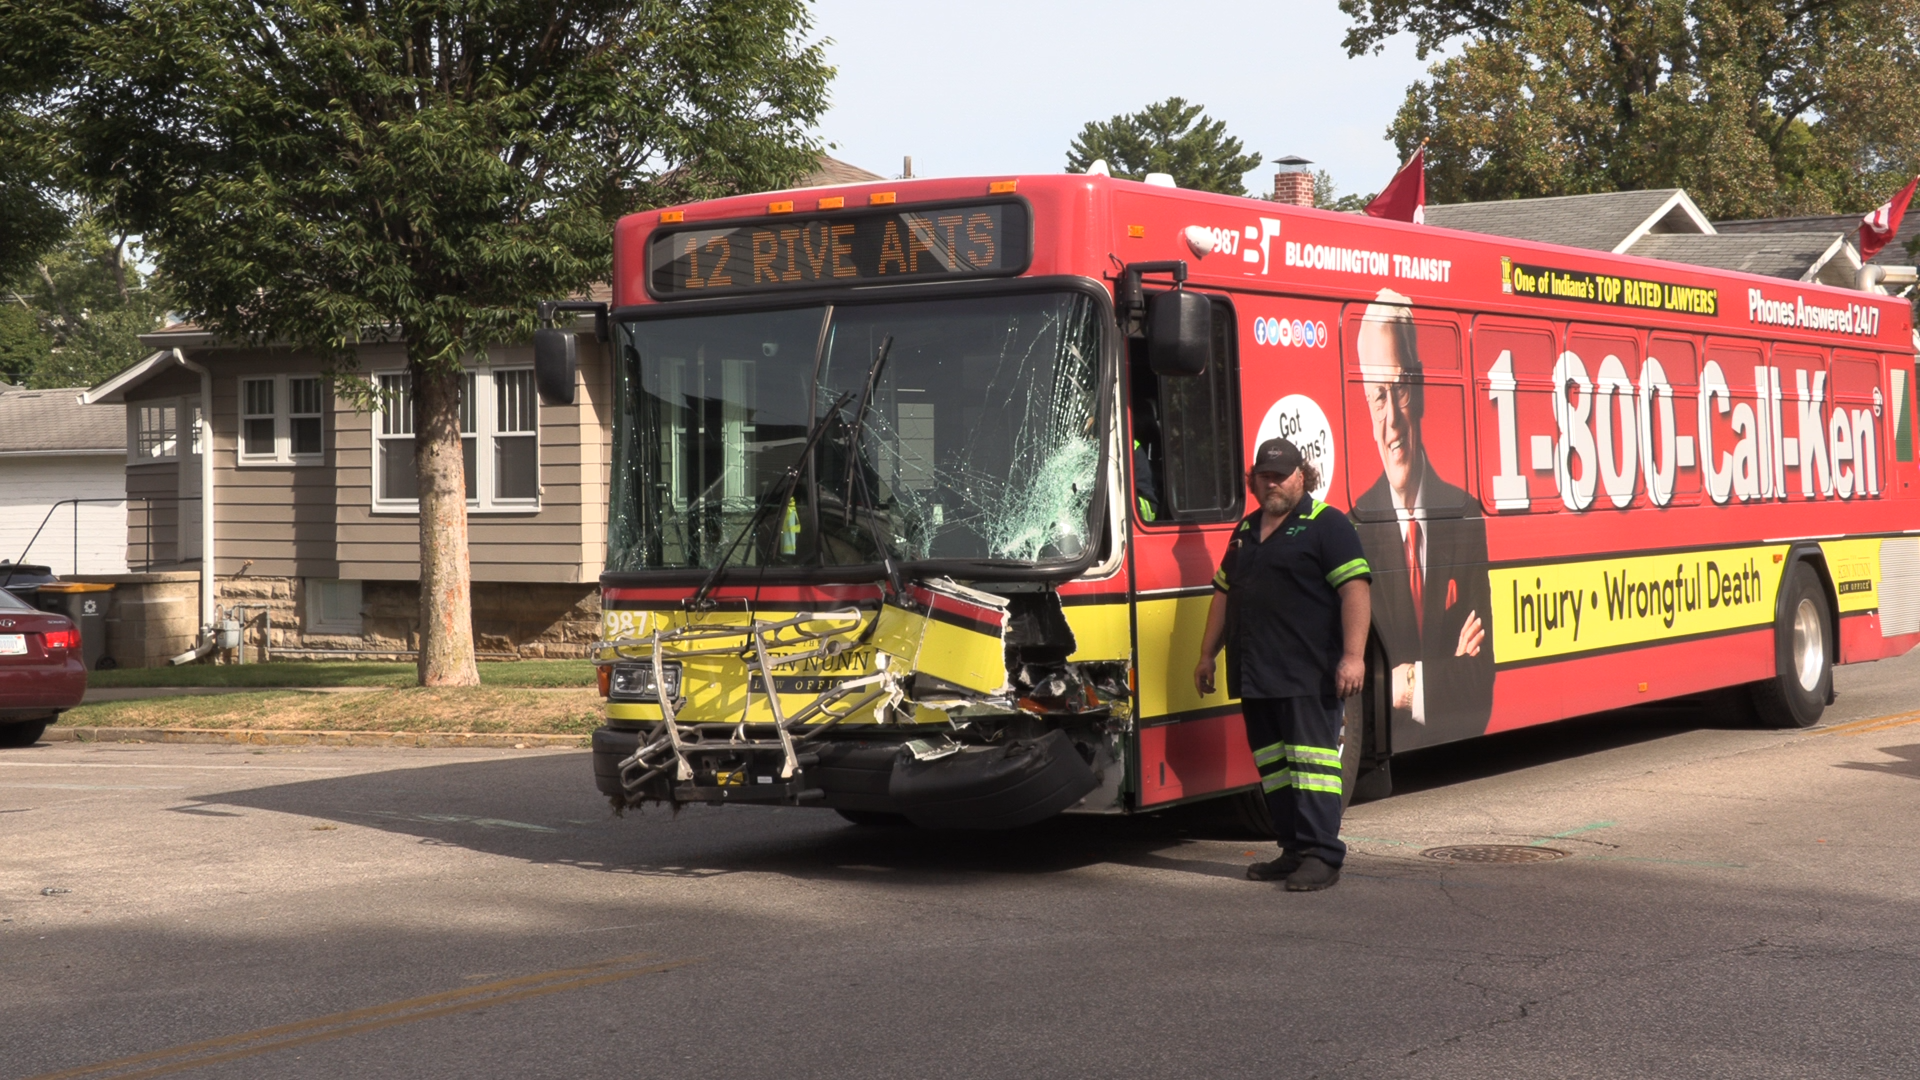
[1313, 874]
[1274, 869]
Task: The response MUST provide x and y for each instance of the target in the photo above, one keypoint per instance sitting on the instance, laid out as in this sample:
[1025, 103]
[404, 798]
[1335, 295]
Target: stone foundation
[152, 617]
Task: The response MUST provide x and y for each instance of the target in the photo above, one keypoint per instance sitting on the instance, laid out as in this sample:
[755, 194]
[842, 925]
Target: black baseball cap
[1277, 456]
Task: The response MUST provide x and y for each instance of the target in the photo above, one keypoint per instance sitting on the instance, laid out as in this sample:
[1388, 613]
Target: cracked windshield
[949, 429]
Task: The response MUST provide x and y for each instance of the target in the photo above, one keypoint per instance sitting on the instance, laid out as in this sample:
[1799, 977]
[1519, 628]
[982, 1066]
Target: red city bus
[918, 487]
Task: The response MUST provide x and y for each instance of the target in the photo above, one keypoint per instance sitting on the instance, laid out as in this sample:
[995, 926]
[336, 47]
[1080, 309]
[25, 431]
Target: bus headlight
[635, 682]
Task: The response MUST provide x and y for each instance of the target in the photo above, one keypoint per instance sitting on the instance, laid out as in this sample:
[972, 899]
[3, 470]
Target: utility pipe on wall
[204, 432]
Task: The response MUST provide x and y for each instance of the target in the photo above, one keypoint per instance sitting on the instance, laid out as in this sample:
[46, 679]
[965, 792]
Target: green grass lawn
[508, 673]
[520, 710]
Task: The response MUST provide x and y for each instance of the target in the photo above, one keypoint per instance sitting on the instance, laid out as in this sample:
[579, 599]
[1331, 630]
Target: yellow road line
[360, 1021]
[1870, 724]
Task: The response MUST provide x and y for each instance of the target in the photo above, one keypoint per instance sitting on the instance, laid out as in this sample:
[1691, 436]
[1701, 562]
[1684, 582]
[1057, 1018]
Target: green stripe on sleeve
[1347, 571]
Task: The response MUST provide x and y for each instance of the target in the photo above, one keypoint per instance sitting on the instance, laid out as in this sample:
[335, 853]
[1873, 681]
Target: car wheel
[25, 733]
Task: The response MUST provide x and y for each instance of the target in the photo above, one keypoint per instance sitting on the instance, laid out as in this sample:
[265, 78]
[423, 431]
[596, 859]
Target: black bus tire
[1803, 650]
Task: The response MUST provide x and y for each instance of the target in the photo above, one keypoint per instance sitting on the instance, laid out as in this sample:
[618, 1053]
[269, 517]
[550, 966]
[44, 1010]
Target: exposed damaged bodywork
[947, 705]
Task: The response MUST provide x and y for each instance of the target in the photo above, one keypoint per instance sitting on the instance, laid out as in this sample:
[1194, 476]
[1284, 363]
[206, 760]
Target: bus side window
[1513, 392]
[1676, 379]
[1610, 362]
[1406, 416]
[1728, 444]
[1857, 444]
[1186, 433]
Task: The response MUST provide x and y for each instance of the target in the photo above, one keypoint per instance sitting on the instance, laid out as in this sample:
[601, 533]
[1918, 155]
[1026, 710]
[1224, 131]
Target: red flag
[1878, 228]
[1405, 196]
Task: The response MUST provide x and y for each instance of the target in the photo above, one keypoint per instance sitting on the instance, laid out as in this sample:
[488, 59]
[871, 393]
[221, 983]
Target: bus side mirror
[1179, 333]
[556, 364]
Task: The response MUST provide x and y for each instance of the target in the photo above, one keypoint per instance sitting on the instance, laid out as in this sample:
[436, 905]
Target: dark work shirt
[1283, 602]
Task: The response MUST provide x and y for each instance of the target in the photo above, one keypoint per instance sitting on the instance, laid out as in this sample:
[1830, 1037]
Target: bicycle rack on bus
[813, 635]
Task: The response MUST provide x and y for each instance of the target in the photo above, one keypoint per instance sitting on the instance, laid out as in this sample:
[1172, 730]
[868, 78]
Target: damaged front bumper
[944, 785]
[949, 722]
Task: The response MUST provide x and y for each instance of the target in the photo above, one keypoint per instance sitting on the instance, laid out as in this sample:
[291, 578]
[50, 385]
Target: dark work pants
[1296, 746]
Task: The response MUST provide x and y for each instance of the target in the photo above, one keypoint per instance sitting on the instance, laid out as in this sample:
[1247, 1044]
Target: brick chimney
[1293, 184]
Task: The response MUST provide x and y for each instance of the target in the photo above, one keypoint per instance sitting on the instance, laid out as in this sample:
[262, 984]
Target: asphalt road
[1735, 903]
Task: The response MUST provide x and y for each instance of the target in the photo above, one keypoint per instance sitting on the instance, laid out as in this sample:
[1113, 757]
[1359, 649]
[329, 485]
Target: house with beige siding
[296, 511]
[311, 506]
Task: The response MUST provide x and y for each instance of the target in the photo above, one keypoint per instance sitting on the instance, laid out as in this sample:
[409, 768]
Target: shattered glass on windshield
[980, 441]
[976, 439]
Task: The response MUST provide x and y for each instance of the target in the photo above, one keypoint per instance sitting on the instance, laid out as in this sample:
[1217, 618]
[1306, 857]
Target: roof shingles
[54, 421]
[1598, 222]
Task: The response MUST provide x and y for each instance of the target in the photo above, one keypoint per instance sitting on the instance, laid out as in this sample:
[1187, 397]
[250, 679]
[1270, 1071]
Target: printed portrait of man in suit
[1427, 544]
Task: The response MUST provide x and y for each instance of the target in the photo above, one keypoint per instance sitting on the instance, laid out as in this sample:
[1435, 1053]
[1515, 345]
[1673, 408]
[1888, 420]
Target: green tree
[333, 172]
[32, 217]
[75, 316]
[22, 345]
[1757, 109]
[1326, 195]
[1170, 137]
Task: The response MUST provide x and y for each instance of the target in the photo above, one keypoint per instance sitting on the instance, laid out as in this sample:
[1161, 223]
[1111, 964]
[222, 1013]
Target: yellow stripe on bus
[1100, 632]
[1855, 566]
[1170, 632]
[1564, 609]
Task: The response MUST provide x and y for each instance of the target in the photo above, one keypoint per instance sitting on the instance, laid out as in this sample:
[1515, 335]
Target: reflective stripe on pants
[1296, 747]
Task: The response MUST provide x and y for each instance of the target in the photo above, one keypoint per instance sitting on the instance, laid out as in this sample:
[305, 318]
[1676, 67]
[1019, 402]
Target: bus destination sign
[977, 240]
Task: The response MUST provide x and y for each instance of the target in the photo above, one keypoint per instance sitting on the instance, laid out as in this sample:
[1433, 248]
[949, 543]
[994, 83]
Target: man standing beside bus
[1291, 604]
[1427, 544]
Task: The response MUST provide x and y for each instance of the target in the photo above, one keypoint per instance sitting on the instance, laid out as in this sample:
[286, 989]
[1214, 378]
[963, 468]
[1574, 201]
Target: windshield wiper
[860, 420]
[788, 482]
[855, 473]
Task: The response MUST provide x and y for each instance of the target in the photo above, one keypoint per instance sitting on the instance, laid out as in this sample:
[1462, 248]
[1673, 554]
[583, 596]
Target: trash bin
[85, 602]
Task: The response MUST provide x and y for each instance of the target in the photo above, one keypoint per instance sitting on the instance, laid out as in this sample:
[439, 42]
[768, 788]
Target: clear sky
[1001, 86]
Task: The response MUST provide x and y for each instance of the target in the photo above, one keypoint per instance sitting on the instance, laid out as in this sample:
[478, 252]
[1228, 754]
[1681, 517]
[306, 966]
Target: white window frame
[282, 416]
[167, 443]
[482, 415]
[318, 623]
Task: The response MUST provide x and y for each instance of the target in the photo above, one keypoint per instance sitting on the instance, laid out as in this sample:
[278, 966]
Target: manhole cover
[1493, 853]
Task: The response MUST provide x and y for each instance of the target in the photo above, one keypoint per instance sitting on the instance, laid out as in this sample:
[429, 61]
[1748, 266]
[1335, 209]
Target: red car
[41, 673]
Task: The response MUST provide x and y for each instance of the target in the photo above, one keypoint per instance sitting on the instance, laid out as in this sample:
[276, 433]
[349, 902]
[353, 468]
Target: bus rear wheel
[1803, 655]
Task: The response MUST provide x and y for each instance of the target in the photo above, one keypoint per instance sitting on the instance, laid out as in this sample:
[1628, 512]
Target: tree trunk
[446, 575]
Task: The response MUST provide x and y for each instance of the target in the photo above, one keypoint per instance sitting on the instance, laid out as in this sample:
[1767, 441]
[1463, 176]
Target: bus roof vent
[1160, 179]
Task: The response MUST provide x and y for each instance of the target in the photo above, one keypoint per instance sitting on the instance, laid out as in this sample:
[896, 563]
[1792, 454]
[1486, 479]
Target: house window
[499, 436]
[333, 607]
[256, 418]
[281, 419]
[156, 432]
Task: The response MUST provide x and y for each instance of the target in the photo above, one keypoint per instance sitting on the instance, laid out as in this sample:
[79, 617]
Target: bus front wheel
[1803, 655]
